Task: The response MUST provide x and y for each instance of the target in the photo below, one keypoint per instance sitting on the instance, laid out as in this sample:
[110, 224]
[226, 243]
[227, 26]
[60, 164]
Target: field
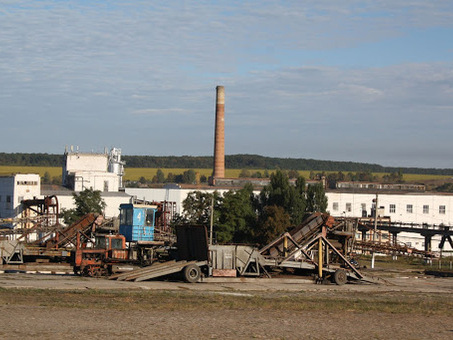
[409, 306]
[134, 174]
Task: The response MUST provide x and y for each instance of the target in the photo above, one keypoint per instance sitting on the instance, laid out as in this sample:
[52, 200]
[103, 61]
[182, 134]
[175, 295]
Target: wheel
[191, 273]
[340, 277]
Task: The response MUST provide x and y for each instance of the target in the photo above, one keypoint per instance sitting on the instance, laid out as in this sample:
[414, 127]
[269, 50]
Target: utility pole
[375, 229]
[212, 221]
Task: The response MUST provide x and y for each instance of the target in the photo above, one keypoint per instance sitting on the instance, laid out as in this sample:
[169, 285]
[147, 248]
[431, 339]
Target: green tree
[189, 177]
[159, 177]
[46, 179]
[299, 205]
[273, 222]
[245, 173]
[197, 207]
[87, 201]
[316, 198]
[237, 218]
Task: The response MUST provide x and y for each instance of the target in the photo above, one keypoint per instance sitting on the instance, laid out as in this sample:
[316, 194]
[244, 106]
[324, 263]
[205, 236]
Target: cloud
[156, 112]
[301, 78]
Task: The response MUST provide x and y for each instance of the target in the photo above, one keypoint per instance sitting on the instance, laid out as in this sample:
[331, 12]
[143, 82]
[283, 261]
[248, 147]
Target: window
[27, 183]
[126, 216]
[20, 199]
[392, 208]
[335, 206]
[409, 208]
[348, 207]
[442, 209]
[426, 209]
[8, 199]
[364, 212]
[150, 217]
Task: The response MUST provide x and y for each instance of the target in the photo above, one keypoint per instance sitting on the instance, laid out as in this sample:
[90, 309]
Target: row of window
[392, 208]
[27, 183]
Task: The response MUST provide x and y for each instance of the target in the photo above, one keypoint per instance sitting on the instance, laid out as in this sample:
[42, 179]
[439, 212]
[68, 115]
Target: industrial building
[98, 171]
[16, 188]
[407, 204]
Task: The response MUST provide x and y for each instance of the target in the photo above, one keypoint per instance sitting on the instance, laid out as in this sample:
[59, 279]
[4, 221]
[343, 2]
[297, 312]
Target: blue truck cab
[137, 222]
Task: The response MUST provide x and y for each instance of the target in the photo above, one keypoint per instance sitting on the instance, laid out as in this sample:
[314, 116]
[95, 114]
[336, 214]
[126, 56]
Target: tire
[340, 277]
[191, 273]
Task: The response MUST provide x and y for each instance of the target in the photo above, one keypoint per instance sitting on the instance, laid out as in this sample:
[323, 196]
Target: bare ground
[66, 307]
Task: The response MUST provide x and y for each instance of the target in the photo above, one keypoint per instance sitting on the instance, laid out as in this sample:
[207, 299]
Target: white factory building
[92, 171]
[418, 208]
[14, 189]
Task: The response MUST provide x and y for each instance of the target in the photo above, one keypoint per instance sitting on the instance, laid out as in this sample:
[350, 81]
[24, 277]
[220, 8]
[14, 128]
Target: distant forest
[232, 162]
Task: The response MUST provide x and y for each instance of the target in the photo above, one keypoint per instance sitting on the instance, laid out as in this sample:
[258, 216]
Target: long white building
[430, 208]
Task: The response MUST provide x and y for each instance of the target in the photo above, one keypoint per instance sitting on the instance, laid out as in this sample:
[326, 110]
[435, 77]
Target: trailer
[317, 246]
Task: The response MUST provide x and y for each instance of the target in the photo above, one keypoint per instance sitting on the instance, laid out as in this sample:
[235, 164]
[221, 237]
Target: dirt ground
[408, 307]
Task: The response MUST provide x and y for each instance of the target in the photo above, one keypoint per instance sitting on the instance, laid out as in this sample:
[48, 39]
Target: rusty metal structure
[319, 246]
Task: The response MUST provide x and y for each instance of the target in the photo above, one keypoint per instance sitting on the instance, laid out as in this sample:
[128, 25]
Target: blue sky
[365, 81]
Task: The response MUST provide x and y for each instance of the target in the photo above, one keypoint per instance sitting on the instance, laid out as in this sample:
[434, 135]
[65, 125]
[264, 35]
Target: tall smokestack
[219, 143]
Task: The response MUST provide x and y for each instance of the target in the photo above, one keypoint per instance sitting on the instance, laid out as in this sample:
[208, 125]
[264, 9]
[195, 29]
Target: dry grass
[395, 303]
[6, 170]
[134, 174]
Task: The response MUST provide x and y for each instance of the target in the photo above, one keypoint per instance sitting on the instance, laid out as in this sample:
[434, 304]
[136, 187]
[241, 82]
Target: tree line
[240, 216]
[231, 162]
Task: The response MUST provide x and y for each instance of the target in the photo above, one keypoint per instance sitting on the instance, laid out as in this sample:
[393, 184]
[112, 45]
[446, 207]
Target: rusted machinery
[318, 246]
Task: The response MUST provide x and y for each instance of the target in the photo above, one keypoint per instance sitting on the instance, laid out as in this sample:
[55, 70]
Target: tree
[316, 198]
[46, 179]
[87, 201]
[245, 173]
[159, 177]
[273, 222]
[197, 207]
[189, 177]
[237, 218]
[278, 192]
[299, 205]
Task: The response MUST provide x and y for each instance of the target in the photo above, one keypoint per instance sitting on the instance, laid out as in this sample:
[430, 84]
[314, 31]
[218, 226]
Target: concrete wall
[86, 162]
[102, 181]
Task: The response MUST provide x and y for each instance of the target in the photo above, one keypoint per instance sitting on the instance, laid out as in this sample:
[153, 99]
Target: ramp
[154, 271]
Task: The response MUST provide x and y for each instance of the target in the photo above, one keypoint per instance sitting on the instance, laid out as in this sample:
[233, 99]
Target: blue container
[137, 222]
[137, 233]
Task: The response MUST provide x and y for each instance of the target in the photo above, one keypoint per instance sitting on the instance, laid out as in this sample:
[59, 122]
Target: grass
[342, 301]
[405, 263]
[134, 174]
[6, 170]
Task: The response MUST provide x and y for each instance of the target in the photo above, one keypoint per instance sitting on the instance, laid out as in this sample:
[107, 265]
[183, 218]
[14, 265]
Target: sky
[363, 81]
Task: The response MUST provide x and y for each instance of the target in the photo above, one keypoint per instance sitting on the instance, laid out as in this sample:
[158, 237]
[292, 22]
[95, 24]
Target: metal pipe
[375, 230]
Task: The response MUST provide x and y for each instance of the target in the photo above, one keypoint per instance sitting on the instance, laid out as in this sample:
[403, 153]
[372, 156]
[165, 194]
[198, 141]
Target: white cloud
[108, 63]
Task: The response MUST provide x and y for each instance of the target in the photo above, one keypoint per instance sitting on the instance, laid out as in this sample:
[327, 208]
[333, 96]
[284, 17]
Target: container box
[137, 233]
